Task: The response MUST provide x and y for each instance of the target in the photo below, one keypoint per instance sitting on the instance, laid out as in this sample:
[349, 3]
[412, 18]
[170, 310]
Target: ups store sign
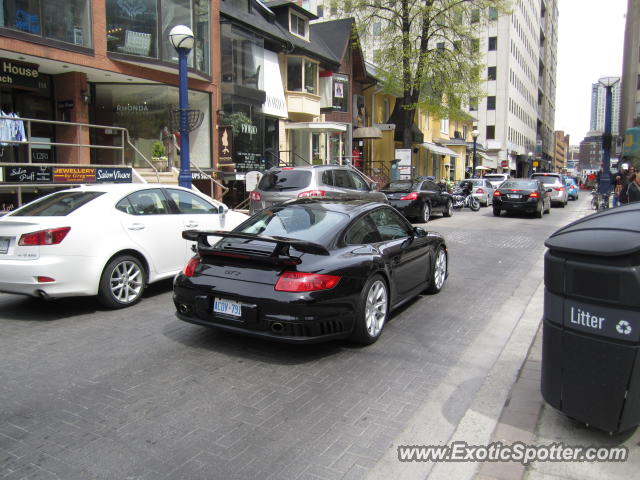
[19, 74]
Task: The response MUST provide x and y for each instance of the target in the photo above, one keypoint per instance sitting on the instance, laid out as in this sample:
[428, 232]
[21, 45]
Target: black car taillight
[305, 282]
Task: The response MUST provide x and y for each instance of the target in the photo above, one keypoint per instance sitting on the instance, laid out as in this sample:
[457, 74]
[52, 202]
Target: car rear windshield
[520, 184]
[474, 181]
[547, 179]
[401, 186]
[311, 223]
[285, 180]
[58, 204]
[495, 177]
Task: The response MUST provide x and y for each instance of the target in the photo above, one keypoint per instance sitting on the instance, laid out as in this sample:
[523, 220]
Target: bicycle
[600, 202]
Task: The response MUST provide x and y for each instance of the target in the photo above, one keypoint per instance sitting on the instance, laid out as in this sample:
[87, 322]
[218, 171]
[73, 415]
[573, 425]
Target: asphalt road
[87, 393]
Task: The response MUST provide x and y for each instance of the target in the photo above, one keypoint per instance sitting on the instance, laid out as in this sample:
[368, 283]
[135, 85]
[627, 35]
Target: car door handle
[136, 226]
[191, 225]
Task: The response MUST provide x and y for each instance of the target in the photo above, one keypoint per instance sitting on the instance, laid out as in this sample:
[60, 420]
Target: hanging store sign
[225, 145]
[19, 74]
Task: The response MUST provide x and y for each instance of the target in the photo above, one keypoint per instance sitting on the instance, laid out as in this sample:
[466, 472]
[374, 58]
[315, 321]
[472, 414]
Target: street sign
[535, 164]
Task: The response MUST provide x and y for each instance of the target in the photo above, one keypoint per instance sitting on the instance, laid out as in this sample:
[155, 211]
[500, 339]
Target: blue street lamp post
[182, 40]
[605, 177]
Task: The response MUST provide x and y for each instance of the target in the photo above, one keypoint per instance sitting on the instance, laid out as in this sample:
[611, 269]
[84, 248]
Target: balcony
[303, 104]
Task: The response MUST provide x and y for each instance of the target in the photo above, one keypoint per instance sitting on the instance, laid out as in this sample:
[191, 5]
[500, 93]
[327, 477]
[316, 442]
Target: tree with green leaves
[427, 51]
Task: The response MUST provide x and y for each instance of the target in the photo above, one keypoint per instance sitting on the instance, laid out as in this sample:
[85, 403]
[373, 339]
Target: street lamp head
[475, 133]
[608, 81]
[181, 37]
[531, 154]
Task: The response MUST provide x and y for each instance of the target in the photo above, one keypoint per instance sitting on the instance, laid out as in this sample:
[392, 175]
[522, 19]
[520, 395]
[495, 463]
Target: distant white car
[106, 240]
[496, 178]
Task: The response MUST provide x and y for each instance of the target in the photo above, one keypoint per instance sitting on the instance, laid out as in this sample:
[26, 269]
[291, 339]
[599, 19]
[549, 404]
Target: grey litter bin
[591, 327]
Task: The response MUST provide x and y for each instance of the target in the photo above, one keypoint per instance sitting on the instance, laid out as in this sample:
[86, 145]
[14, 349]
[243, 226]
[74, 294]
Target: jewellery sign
[37, 174]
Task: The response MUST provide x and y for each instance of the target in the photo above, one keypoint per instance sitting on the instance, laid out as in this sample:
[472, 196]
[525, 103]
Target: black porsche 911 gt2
[310, 270]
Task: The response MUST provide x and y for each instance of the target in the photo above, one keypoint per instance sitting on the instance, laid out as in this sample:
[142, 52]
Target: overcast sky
[590, 46]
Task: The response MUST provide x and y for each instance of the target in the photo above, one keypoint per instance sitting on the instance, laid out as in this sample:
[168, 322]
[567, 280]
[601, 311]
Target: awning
[317, 126]
[366, 132]
[274, 103]
[439, 150]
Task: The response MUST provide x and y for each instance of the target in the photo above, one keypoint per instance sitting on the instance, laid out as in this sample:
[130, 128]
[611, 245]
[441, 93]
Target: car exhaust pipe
[43, 295]
[184, 309]
[277, 327]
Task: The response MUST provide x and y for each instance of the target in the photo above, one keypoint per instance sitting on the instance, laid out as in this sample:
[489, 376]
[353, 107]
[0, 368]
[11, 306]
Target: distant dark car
[418, 199]
[310, 270]
[522, 195]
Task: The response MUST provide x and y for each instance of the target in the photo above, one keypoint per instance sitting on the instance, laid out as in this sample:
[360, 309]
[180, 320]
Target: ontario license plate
[228, 307]
[4, 245]
[512, 195]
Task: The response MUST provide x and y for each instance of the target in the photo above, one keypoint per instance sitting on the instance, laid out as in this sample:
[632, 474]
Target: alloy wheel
[376, 308]
[440, 273]
[126, 281]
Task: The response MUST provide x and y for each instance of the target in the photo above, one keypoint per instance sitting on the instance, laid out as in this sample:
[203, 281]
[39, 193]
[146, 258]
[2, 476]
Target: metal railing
[78, 145]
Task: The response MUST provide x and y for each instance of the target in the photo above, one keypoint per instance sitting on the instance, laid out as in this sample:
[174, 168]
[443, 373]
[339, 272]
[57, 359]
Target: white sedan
[106, 240]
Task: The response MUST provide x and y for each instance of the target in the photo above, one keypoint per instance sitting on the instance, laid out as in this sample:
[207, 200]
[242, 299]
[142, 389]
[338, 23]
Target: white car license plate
[228, 307]
[4, 245]
[514, 195]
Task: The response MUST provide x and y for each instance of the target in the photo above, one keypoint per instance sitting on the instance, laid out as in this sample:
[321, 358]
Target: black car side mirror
[419, 232]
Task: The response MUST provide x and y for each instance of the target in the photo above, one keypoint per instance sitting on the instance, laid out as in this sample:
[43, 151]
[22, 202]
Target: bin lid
[609, 233]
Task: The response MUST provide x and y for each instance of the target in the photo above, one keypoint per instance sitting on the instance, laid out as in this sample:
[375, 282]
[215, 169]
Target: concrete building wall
[598, 101]
[630, 95]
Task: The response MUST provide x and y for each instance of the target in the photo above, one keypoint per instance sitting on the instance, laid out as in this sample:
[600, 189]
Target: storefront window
[145, 110]
[242, 57]
[64, 20]
[133, 28]
[301, 71]
[247, 122]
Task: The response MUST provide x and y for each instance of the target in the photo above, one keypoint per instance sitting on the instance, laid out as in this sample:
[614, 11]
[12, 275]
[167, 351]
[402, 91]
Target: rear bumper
[74, 276]
[528, 206]
[409, 208]
[266, 313]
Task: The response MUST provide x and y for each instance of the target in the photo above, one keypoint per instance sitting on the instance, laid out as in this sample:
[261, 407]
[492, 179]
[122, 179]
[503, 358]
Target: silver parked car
[280, 184]
[557, 183]
[482, 190]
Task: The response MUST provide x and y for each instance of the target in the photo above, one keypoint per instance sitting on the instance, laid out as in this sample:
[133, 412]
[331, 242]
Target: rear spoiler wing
[283, 244]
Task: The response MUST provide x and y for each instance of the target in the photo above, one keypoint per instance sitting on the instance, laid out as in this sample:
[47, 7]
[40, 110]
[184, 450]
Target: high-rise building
[630, 98]
[591, 151]
[561, 151]
[517, 116]
[598, 100]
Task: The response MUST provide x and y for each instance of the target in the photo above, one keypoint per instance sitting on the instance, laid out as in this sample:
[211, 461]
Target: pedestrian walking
[617, 188]
[633, 190]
